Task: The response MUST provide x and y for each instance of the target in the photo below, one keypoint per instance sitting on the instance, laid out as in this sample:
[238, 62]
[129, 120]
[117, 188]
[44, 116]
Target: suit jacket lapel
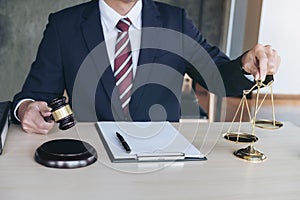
[93, 36]
[150, 18]
[91, 26]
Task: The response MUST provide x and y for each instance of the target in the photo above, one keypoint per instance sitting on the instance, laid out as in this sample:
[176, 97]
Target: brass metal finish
[238, 137]
[250, 154]
[268, 124]
[62, 113]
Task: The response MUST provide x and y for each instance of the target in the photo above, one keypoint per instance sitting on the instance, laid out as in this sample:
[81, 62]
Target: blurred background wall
[22, 23]
[279, 26]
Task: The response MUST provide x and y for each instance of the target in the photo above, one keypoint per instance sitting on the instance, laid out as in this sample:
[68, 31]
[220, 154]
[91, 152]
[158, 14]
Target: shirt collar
[111, 17]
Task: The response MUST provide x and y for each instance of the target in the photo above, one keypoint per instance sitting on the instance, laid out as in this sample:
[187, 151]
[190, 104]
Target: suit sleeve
[228, 79]
[45, 80]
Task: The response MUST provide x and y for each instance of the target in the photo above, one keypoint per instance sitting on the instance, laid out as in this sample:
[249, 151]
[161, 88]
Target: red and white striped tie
[123, 64]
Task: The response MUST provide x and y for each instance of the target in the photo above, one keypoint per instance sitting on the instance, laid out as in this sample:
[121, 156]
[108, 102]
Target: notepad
[4, 122]
[148, 141]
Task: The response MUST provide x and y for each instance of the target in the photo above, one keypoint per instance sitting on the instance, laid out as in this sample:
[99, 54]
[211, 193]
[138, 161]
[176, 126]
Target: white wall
[280, 27]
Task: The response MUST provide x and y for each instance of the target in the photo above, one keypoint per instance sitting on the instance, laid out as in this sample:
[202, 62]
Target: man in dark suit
[78, 55]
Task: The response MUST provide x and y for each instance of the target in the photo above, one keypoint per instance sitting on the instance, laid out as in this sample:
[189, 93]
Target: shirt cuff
[250, 77]
[17, 107]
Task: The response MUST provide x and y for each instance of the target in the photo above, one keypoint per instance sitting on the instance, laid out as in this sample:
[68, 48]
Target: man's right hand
[31, 115]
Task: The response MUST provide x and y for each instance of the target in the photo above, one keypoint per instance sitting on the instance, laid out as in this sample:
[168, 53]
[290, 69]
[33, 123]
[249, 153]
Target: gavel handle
[49, 118]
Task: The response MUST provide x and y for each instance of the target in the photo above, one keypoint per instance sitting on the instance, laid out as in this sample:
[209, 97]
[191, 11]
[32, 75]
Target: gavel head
[62, 113]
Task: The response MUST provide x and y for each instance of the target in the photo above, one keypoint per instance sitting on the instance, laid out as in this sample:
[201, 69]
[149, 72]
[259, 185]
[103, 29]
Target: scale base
[250, 154]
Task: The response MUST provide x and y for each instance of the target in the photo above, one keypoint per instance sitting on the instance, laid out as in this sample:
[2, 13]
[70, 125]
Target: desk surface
[223, 176]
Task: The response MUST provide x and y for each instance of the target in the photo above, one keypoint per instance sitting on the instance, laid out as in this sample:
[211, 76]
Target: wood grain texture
[221, 177]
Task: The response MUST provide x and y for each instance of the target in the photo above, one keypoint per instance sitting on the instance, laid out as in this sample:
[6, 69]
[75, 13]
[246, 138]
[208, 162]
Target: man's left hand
[261, 61]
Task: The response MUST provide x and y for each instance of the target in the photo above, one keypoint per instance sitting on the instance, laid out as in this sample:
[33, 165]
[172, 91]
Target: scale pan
[268, 124]
[240, 137]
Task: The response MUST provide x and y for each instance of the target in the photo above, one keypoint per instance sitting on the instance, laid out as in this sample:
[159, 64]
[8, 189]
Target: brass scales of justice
[250, 153]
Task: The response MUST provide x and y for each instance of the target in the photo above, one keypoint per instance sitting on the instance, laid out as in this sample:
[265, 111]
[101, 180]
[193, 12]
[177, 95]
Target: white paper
[157, 138]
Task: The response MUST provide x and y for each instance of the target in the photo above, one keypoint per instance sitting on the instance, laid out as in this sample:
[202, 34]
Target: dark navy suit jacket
[74, 37]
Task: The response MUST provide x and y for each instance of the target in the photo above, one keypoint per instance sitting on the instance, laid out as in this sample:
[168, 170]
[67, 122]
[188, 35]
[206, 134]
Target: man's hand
[261, 61]
[31, 115]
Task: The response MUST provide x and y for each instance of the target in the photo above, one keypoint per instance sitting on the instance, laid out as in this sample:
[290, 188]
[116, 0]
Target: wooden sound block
[65, 153]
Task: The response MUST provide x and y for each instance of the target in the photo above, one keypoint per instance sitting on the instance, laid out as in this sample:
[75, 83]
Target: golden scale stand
[250, 153]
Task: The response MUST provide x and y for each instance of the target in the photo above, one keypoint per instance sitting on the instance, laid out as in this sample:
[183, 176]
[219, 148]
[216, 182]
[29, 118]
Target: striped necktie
[123, 64]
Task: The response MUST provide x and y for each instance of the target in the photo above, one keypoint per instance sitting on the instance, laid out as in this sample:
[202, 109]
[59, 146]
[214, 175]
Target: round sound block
[65, 153]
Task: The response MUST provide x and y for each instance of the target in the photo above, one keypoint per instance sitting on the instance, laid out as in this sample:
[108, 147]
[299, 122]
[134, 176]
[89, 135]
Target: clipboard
[4, 122]
[149, 142]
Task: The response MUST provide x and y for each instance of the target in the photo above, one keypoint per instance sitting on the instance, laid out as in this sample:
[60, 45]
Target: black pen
[124, 143]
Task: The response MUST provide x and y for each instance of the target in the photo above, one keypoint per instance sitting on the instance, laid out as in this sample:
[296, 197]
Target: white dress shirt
[109, 20]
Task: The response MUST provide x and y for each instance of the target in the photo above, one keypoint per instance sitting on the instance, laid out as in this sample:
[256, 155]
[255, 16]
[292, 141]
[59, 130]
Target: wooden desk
[223, 176]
